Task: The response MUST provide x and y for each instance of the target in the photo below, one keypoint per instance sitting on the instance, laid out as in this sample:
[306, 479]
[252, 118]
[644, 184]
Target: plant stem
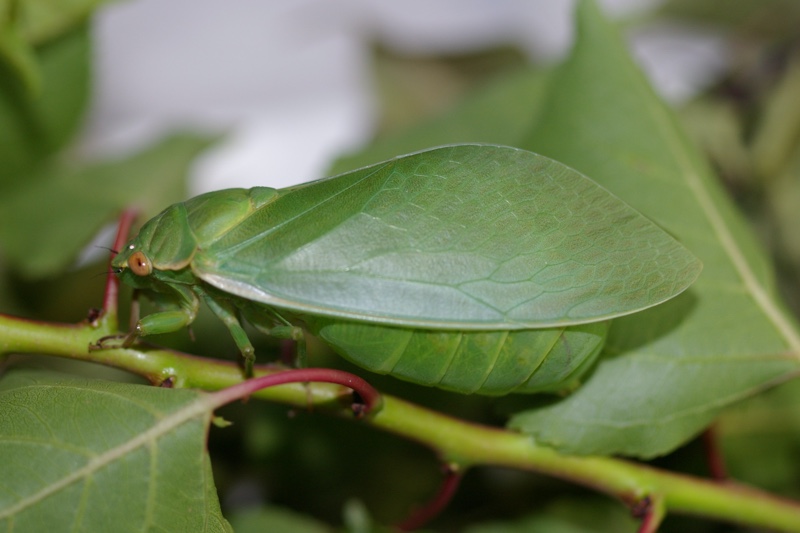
[110, 300]
[460, 443]
[652, 514]
[450, 483]
[716, 463]
[364, 391]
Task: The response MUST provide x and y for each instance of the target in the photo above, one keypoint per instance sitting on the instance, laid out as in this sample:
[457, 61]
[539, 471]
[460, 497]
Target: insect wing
[459, 237]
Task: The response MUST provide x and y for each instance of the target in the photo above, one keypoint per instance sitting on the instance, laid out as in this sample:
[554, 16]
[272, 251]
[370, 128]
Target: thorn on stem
[650, 511]
[358, 406]
[93, 314]
[641, 508]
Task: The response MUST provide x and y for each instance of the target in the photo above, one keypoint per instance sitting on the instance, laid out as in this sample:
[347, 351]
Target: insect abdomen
[484, 362]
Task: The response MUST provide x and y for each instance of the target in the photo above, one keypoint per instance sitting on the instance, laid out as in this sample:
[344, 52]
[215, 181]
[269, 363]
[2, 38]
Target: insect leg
[227, 313]
[296, 334]
[167, 321]
[289, 331]
[135, 309]
[271, 322]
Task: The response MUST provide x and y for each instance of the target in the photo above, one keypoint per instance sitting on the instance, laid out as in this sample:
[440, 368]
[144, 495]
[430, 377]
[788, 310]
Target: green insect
[474, 268]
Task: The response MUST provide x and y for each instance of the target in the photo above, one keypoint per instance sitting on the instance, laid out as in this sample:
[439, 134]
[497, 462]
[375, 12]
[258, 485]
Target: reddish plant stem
[649, 525]
[420, 517]
[716, 463]
[112, 282]
[367, 400]
[651, 512]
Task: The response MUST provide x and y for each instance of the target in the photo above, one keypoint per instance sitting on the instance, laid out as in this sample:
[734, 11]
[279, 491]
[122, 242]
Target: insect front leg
[185, 305]
[181, 304]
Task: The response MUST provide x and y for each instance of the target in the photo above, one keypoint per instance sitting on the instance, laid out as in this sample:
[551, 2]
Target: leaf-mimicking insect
[474, 268]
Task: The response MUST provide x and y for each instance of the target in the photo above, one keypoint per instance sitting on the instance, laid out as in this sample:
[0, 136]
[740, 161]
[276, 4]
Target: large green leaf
[78, 201]
[667, 371]
[88, 455]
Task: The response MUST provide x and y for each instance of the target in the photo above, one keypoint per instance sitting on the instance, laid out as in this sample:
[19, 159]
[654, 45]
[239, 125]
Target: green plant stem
[459, 443]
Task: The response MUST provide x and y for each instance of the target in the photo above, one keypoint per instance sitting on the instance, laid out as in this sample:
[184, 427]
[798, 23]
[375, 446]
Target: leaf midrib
[781, 322]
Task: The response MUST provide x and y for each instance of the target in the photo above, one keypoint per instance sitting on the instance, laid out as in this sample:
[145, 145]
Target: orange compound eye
[140, 264]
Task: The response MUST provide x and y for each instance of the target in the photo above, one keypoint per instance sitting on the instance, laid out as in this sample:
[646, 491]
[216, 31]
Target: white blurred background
[289, 82]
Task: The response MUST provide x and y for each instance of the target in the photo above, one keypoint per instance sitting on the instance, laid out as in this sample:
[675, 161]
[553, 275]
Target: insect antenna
[105, 272]
[113, 251]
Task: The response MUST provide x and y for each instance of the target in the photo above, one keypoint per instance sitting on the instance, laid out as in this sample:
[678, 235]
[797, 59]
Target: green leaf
[782, 198]
[25, 24]
[778, 131]
[89, 455]
[667, 371]
[32, 128]
[78, 201]
[42, 20]
[716, 126]
[39, 21]
[769, 421]
[18, 55]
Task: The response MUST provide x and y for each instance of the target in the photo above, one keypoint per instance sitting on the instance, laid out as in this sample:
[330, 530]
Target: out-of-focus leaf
[769, 19]
[412, 88]
[783, 201]
[667, 371]
[18, 55]
[778, 131]
[89, 455]
[492, 114]
[275, 519]
[34, 127]
[45, 222]
[42, 20]
[586, 515]
[769, 421]
[716, 127]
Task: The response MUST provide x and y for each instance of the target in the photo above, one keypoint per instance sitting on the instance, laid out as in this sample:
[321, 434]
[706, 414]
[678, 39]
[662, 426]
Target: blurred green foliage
[51, 204]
